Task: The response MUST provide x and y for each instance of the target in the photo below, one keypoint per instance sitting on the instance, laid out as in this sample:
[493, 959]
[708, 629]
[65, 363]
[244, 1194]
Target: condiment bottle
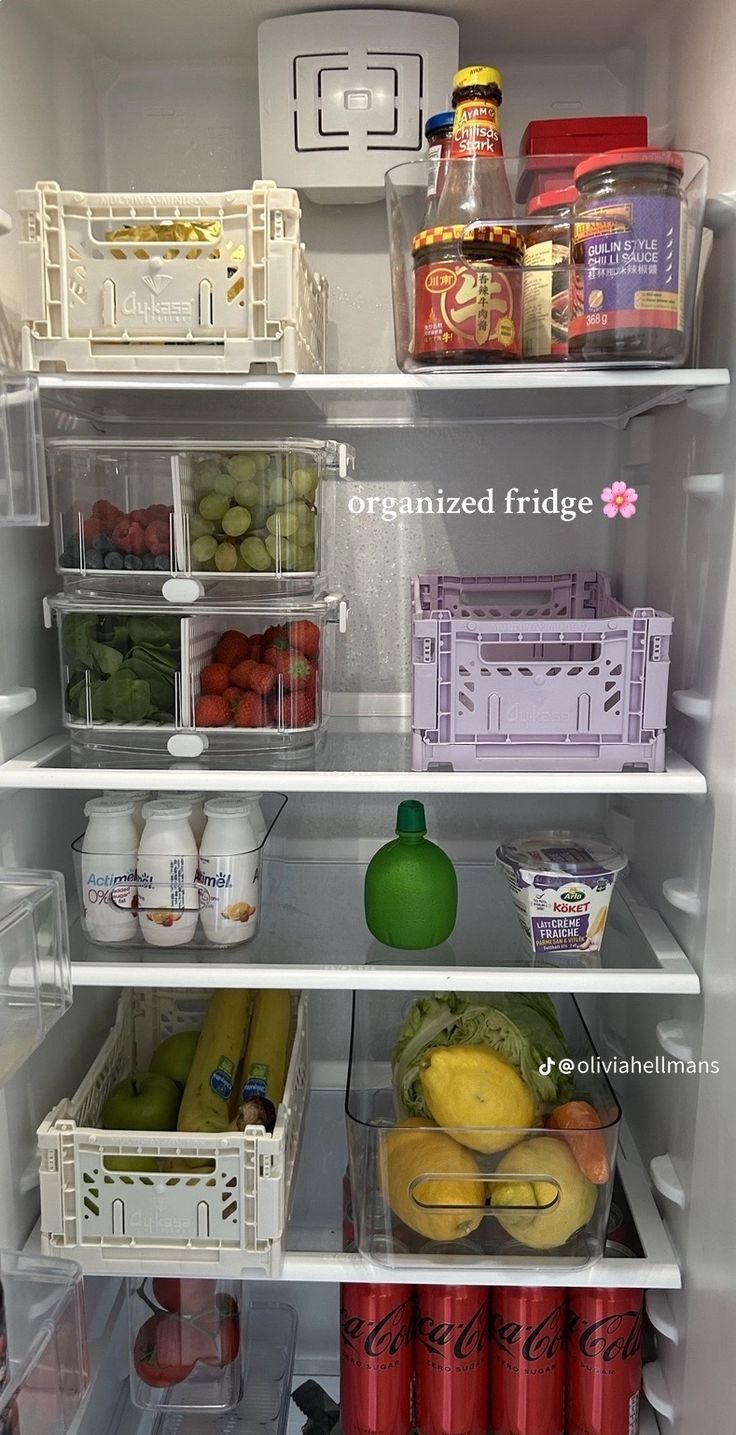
[547, 275]
[410, 887]
[477, 186]
[438, 132]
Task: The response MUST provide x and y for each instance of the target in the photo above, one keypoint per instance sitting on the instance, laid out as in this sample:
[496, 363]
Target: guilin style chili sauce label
[629, 265]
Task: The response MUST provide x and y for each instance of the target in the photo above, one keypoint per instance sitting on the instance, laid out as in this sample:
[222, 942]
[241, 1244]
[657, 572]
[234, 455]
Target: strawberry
[130, 537]
[251, 711]
[256, 649]
[291, 667]
[232, 648]
[240, 675]
[233, 696]
[304, 636]
[261, 678]
[277, 635]
[295, 710]
[158, 537]
[215, 678]
[212, 711]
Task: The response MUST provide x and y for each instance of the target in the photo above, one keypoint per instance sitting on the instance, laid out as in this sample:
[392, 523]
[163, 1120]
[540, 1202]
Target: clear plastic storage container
[532, 1196]
[205, 1204]
[43, 1344]
[23, 489]
[148, 677]
[187, 1343]
[259, 516]
[35, 975]
[460, 290]
[224, 899]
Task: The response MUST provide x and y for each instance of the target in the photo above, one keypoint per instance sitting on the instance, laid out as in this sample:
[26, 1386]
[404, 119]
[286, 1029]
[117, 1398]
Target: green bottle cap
[410, 817]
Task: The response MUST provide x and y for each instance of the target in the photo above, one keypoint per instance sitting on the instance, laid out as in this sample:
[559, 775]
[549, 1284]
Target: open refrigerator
[163, 95]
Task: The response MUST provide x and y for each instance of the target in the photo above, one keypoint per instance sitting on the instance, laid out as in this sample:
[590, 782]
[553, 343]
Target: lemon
[474, 1088]
[413, 1150]
[554, 1209]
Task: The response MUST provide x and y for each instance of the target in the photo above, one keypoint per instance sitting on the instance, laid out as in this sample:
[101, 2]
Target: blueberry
[92, 559]
[131, 561]
[66, 561]
[148, 561]
[102, 544]
[163, 563]
[113, 560]
[72, 545]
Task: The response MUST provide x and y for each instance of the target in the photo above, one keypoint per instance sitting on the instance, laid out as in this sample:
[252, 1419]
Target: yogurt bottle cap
[572, 854]
[120, 806]
[167, 807]
[228, 806]
[133, 797]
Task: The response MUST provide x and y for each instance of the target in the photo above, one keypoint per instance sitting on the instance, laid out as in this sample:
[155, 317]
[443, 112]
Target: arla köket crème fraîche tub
[562, 884]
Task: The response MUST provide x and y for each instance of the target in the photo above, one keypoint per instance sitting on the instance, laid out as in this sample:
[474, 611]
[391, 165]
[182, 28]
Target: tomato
[166, 1350]
[185, 1297]
[224, 1327]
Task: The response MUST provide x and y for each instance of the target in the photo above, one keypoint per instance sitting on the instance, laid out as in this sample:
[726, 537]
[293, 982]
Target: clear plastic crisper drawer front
[23, 489]
[35, 978]
[42, 1320]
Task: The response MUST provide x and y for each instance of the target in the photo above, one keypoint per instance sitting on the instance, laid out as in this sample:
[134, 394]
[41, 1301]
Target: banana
[204, 1105]
[266, 1061]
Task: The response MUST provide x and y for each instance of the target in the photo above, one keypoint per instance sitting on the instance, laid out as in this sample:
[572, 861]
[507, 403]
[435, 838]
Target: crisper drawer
[149, 677]
[253, 517]
[119, 1200]
[455, 1157]
[43, 1345]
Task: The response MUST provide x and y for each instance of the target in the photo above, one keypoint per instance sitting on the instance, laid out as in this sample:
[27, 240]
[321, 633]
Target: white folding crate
[229, 1219]
[225, 289]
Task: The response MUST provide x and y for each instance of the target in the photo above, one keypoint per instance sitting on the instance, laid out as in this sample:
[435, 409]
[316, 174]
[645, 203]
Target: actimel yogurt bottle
[229, 872]
[168, 910]
[108, 860]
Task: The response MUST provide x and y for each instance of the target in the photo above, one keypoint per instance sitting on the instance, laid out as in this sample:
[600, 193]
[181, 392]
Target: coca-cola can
[452, 1360]
[376, 1359]
[604, 1361]
[527, 1361]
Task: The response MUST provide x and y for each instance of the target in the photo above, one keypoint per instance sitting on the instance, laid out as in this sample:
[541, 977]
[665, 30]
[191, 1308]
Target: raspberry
[158, 537]
[261, 678]
[92, 529]
[251, 711]
[240, 675]
[106, 514]
[215, 678]
[211, 711]
[233, 648]
[304, 636]
[129, 537]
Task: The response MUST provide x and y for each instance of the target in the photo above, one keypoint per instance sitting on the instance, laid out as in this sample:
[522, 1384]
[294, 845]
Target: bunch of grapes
[253, 518]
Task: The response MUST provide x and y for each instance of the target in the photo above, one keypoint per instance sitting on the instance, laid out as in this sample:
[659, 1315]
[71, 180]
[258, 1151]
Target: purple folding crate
[534, 673]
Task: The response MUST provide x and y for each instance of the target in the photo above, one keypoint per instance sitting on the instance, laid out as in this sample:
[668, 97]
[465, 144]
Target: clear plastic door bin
[35, 974]
[43, 1329]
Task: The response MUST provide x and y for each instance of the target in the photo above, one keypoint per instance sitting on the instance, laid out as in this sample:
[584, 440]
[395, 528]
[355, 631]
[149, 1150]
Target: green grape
[306, 560]
[255, 554]
[291, 559]
[283, 523]
[224, 483]
[242, 466]
[241, 566]
[206, 472]
[226, 558]
[304, 482]
[199, 527]
[203, 549]
[236, 522]
[279, 492]
[272, 544]
[261, 461]
[258, 514]
[213, 506]
[247, 492]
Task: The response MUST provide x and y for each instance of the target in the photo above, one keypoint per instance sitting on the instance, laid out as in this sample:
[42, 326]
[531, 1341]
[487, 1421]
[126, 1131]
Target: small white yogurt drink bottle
[167, 870]
[229, 874]
[195, 803]
[138, 800]
[255, 812]
[108, 870]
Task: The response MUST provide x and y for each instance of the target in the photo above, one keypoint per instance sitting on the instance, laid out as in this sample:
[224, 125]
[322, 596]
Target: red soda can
[604, 1361]
[527, 1361]
[376, 1359]
[452, 1360]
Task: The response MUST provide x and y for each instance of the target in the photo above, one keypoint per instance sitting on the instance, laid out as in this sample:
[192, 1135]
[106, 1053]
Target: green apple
[145, 1101]
[174, 1057]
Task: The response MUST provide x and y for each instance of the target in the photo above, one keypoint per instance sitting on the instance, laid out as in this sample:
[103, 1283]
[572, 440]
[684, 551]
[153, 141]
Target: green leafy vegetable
[522, 1027]
[120, 668]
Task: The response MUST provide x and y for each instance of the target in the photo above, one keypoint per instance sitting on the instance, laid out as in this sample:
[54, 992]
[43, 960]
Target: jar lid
[574, 854]
[112, 806]
[443, 121]
[553, 199]
[616, 158]
[476, 75]
[484, 234]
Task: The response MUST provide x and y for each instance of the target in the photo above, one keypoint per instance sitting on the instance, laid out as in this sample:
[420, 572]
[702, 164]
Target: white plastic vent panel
[336, 112]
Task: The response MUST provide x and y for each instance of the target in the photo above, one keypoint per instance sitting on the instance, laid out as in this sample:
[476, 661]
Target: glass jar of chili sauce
[467, 294]
[629, 250]
[547, 274]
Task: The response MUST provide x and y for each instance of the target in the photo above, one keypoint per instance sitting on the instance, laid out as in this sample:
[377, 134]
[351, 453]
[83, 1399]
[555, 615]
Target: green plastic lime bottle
[411, 887]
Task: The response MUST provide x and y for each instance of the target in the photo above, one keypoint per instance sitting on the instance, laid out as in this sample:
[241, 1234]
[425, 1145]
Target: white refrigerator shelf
[508, 395]
[357, 757]
[485, 953]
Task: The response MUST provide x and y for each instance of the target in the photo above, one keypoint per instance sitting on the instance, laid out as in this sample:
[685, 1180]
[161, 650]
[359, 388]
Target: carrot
[589, 1150]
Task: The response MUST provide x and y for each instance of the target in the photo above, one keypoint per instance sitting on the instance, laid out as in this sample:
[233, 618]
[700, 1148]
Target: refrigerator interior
[163, 94]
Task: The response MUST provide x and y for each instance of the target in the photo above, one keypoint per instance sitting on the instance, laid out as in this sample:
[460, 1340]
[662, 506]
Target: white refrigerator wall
[124, 97]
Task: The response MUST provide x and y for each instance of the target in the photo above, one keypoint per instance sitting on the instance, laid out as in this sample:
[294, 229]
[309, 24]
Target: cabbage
[522, 1027]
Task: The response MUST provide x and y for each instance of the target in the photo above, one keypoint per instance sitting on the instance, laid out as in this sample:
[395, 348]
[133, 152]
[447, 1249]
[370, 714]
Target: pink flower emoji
[619, 500]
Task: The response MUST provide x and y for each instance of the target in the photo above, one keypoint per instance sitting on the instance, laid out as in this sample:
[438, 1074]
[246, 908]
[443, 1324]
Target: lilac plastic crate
[536, 672]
